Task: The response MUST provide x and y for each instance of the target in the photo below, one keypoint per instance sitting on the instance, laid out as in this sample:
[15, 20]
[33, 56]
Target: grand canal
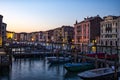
[36, 69]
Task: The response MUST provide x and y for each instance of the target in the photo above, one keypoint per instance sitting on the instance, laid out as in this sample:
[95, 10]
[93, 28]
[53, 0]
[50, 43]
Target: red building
[87, 31]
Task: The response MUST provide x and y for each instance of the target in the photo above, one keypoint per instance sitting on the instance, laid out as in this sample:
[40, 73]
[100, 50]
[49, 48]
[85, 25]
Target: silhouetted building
[1, 17]
[3, 32]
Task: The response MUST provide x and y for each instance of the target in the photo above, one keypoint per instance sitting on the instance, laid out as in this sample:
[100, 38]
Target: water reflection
[71, 76]
[36, 69]
[5, 73]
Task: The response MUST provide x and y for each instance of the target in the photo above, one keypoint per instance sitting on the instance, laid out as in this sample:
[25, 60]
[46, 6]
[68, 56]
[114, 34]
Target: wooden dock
[109, 62]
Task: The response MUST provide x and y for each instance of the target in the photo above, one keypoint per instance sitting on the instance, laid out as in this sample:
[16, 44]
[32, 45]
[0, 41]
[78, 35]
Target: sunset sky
[42, 15]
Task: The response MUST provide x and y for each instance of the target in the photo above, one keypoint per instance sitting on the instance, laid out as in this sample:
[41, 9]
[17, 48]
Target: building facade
[17, 37]
[67, 34]
[10, 36]
[118, 32]
[64, 34]
[1, 17]
[3, 32]
[87, 31]
[49, 35]
[40, 36]
[110, 31]
[57, 35]
[23, 36]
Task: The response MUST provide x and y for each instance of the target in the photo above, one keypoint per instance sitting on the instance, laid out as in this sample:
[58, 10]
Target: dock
[99, 60]
[31, 50]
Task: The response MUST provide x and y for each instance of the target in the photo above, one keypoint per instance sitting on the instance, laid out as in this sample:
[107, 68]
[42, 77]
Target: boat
[97, 74]
[49, 58]
[78, 67]
[57, 60]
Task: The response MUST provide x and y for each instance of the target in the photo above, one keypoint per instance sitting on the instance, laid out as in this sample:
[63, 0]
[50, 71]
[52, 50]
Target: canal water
[36, 69]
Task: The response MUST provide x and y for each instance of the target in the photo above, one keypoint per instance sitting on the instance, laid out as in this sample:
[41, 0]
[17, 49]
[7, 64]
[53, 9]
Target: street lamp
[32, 39]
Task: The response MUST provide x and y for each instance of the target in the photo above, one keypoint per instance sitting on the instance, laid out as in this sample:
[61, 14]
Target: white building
[110, 30]
[119, 32]
[110, 34]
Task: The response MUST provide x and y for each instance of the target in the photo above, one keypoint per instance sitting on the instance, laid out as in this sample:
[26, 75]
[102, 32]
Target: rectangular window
[116, 24]
[116, 29]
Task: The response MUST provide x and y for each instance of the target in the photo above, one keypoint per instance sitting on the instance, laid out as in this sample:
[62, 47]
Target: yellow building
[10, 35]
[0, 41]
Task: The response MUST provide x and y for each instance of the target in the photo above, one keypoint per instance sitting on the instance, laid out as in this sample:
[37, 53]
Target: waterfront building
[17, 37]
[44, 36]
[40, 36]
[118, 32]
[28, 36]
[87, 31]
[10, 36]
[110, 31]
[49, 35]
[67, 34]
[63, 34]
[33, 36]
[3, 32]
[1, 17]
[23, 36]
[57, 34]
[36, 36]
